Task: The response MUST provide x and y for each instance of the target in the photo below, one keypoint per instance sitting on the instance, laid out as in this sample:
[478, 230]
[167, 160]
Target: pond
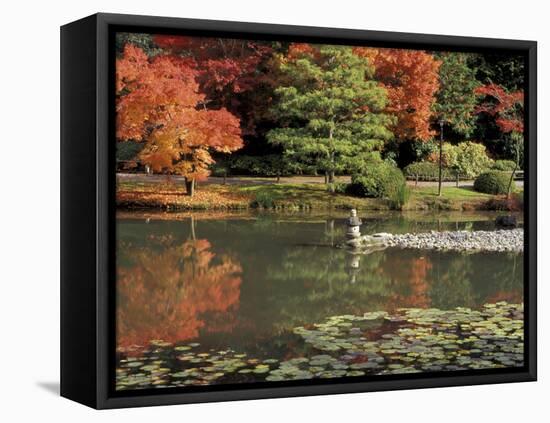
[210, 298]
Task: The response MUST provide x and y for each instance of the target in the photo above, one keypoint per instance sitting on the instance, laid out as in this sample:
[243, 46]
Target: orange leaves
[217, 129]
[130, 66]
[411, 79]
[211, 197]
[165, 293]
[152, 93]
[159, 102]
[298, 50]
[416, 272]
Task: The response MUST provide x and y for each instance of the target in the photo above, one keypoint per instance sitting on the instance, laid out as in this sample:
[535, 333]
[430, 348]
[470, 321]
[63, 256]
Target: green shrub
[266, 165]
[493, 182]
[503, 165]
[264, 200]
[380, 180]
[467, 158]
[427, 171]
[361, 186]
[400, 197]
[340, 187]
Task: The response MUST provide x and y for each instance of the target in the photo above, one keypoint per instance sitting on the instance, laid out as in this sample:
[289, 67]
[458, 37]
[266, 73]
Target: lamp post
[441, 124]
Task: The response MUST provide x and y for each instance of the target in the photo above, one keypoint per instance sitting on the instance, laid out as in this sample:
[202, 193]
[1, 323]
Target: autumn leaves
[158, 102]
[319, 108]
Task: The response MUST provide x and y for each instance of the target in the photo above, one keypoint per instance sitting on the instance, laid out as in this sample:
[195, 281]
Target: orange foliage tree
[165, 294]
[411, 80]
[228, 72]
[159, 103]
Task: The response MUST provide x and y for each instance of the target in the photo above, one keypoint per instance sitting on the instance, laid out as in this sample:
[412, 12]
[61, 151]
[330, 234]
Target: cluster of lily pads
[408, 340]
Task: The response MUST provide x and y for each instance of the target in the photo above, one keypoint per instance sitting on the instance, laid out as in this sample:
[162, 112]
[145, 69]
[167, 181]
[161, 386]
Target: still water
[240, 284]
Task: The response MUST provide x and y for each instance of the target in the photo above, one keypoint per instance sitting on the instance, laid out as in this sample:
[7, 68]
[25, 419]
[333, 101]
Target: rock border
[474, 241]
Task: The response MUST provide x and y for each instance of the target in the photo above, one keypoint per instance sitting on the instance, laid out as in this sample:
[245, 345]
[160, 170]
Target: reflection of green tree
[451, 284]
[311, 283]
[470, 280]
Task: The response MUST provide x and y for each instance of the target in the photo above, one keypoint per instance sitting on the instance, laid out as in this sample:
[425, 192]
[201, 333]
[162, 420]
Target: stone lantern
[353, 232]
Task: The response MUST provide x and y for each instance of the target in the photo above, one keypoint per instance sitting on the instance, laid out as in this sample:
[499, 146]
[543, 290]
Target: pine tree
[330, 108]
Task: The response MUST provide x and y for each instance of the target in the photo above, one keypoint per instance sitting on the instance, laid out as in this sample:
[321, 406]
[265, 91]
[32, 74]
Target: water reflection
[164, 289]
[240, 282]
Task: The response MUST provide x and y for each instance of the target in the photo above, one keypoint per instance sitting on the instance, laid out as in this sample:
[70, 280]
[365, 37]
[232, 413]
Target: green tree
[143, 41]
[330, 109]
[503, 69]
[456, 98]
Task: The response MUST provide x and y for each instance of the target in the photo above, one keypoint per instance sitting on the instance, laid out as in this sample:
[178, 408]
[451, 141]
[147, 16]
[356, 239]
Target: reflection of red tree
[165, 293]
[413, 272]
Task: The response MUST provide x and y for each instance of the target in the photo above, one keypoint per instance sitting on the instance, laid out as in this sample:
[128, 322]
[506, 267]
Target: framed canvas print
[256, 211]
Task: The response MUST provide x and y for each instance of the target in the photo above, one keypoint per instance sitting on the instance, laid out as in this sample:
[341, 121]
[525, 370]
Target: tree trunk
[224, 177]
[457, 179]
[331, 157]
[278, 177]
[326, 177]
[190, 186]
[440, 162]
[509, 190]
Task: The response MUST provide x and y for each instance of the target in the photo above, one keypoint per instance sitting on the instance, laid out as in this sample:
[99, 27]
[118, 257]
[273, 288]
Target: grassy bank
[297, 196]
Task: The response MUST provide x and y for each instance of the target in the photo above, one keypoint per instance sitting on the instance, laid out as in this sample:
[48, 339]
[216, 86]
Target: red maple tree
[227, 70]
[159, 103]
[506, 107]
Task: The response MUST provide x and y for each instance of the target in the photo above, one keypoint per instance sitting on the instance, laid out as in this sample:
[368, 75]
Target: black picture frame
[87, 209]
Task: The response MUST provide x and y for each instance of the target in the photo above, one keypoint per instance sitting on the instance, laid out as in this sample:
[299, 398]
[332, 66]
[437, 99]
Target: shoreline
[500, 240]
[297, 197]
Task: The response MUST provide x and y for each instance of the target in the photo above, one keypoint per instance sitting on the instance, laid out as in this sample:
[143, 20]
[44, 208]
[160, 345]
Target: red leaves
[411, 79]
[506, 107]
[159, 102]
[223, 64]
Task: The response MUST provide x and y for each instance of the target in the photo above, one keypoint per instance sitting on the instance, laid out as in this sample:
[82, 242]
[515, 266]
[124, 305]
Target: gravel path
[500, 240]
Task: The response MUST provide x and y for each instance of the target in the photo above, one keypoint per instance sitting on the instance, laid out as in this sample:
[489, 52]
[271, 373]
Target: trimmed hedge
[493, 182]
[427, 171]
[503, 165]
